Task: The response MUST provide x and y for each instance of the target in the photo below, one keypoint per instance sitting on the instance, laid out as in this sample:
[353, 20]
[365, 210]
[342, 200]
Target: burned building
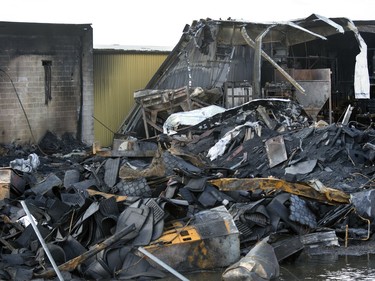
[46, 81]
[244, 181]
[324, 64]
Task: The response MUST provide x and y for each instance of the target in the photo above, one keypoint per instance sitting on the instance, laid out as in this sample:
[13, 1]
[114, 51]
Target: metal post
[258, 62]
[44, 245]
[158, 261]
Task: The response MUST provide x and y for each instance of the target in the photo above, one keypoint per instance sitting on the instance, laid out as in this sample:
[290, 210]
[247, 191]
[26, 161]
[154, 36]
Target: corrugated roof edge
[116, 47]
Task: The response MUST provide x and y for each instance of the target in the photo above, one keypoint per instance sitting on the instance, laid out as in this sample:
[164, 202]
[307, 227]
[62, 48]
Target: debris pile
[197, 199]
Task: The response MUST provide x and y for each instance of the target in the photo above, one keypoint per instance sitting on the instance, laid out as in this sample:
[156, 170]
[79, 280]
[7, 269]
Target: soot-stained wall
[46, 81]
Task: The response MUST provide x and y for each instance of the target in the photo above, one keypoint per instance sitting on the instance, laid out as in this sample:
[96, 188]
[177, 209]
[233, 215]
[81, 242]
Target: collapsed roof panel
[229, 32]
[322, 25]
[241, 59]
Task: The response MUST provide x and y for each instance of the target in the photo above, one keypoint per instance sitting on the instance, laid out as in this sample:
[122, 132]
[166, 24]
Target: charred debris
[214, 175]
[236, 180]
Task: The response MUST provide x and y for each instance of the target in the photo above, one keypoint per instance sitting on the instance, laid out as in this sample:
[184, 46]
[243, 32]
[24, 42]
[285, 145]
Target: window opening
[47, 80]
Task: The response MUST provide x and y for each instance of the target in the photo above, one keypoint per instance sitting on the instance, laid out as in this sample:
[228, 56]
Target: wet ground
[329, 266]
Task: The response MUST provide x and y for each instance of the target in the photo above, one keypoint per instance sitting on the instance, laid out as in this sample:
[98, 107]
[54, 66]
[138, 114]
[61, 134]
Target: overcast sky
[160, 22]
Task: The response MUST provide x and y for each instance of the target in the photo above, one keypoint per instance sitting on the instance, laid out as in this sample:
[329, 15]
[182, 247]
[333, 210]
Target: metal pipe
[158, 261]
[251, 43]
[44, 245]
[258, 61]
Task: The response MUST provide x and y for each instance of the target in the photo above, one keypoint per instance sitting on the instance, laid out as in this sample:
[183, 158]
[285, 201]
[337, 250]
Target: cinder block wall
[26, 112]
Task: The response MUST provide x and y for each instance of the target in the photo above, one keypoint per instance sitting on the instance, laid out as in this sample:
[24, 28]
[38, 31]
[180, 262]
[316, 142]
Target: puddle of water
[330, 267]
[316, 268]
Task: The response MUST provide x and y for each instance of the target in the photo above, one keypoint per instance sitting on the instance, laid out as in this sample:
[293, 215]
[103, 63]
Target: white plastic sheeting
[26, 165]
[219, 148]
[191, 118]
[361, 75]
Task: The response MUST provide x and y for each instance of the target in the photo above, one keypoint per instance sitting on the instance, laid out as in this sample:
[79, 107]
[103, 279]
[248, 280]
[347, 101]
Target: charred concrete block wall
[46, 81]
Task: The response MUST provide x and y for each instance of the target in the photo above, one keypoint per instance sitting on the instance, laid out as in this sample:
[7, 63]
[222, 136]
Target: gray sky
[160, 22]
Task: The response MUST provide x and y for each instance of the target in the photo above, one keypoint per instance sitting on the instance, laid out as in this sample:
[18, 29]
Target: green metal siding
[116, 77]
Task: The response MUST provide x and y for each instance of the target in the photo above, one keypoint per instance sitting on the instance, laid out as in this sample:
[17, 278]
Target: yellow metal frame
[270, 185]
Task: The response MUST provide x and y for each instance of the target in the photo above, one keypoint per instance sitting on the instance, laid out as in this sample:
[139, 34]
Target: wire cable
[23, 109]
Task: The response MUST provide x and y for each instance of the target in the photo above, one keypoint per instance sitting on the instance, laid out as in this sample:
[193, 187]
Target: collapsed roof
[238, 58]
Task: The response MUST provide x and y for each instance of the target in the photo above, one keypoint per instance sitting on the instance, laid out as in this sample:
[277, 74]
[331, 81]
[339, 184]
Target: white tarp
[361, 75]
[219, 148]
[191, 118]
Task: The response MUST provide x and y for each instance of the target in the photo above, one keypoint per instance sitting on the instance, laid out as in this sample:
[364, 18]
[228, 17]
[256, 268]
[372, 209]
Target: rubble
[91, 210]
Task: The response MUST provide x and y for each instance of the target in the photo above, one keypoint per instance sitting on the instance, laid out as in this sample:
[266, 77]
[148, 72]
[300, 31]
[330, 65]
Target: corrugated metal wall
[117, 75]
